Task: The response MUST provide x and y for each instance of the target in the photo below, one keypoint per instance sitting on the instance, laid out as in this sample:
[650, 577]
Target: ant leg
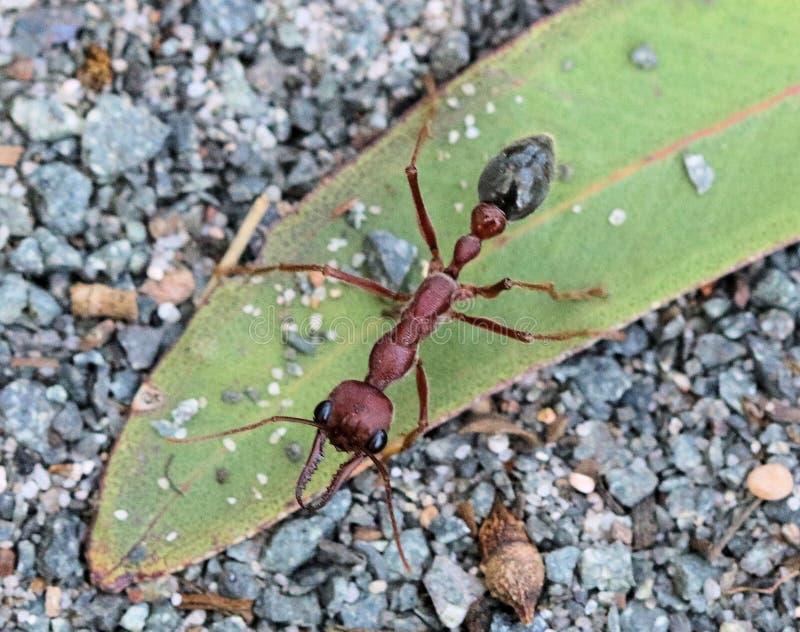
[422, 393]
[373, 287]
[423, 219]
[492, 291]
[526, 336]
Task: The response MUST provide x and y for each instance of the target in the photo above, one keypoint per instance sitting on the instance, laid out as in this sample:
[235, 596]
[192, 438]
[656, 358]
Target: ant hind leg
[495, 289]
[426, 228]
[526, 336]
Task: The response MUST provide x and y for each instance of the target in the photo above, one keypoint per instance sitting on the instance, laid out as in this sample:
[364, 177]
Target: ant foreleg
[423, 219]
[373, 287]
[492, 291]
[422, 393]
[526, 336]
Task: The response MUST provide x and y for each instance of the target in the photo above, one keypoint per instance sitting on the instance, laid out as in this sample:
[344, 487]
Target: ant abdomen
[517, 180]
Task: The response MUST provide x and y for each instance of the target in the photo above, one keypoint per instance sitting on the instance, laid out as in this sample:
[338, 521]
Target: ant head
[355, 417]
[518, 179]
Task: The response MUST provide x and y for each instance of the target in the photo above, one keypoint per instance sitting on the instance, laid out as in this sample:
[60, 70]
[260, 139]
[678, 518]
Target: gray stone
[27, 257]
[716, 307]
[594, 442]
[164, 617]
[762, 558]
[691, 572]
[294, 543]
[223, 19]
[238, 581]
[303, 175]
[240, 98]
[58, 254]
[40, 28]
[13, 297]
[68, 422]
[417, 552]
[404, 13]
[560, 564]
[60, 557]
[42, 306]
[607, 567]
[364, 613]
[388, 258]
[278, 608]
[141, 344]
[637, 617]
[735, 384]
[112, 259]
[120, 136]
[713, 350]
[450, 55]
[633, 483]
[135, 617]
[45, 119]
[15, 216]
[777, 324]
[644, 57]
[685, 454]
[776, 289]
[508, 622]
[601, 379]
[448, 529]
[62, 197]
[452, 590]
[737, 325]
[26, 414]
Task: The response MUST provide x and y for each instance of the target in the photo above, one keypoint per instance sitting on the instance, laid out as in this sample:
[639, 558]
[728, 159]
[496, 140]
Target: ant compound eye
[323, 411]
[377, 442]
[518, 178]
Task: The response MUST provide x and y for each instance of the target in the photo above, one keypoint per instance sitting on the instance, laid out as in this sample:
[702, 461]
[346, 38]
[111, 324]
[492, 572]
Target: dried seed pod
[518, 179]
[511, 563]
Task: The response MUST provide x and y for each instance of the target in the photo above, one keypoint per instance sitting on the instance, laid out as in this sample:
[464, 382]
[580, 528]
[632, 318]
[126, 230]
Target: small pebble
[581, 482]
[772, 481]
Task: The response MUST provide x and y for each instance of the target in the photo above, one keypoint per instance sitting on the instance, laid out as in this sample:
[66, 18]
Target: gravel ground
[147, 148]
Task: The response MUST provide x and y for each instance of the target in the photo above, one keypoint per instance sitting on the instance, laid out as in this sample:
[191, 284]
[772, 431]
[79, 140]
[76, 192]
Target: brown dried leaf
[511, 564]
[98, 335]
[226, 605]
[9, 155]
[497, 424]
[466, 512]
[97, 300]
[176, 286]
[96, 72]
[557, 429]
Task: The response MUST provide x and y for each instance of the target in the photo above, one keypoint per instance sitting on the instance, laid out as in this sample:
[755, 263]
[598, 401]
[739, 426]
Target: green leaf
[725, 87]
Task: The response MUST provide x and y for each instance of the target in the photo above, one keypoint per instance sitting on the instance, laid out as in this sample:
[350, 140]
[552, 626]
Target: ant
[357, 414]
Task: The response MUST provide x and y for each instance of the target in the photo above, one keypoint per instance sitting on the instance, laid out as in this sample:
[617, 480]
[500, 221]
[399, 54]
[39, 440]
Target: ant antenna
[390, 505]
[253, 426]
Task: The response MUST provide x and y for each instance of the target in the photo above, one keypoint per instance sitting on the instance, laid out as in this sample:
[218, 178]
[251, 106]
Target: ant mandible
[357, 414]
